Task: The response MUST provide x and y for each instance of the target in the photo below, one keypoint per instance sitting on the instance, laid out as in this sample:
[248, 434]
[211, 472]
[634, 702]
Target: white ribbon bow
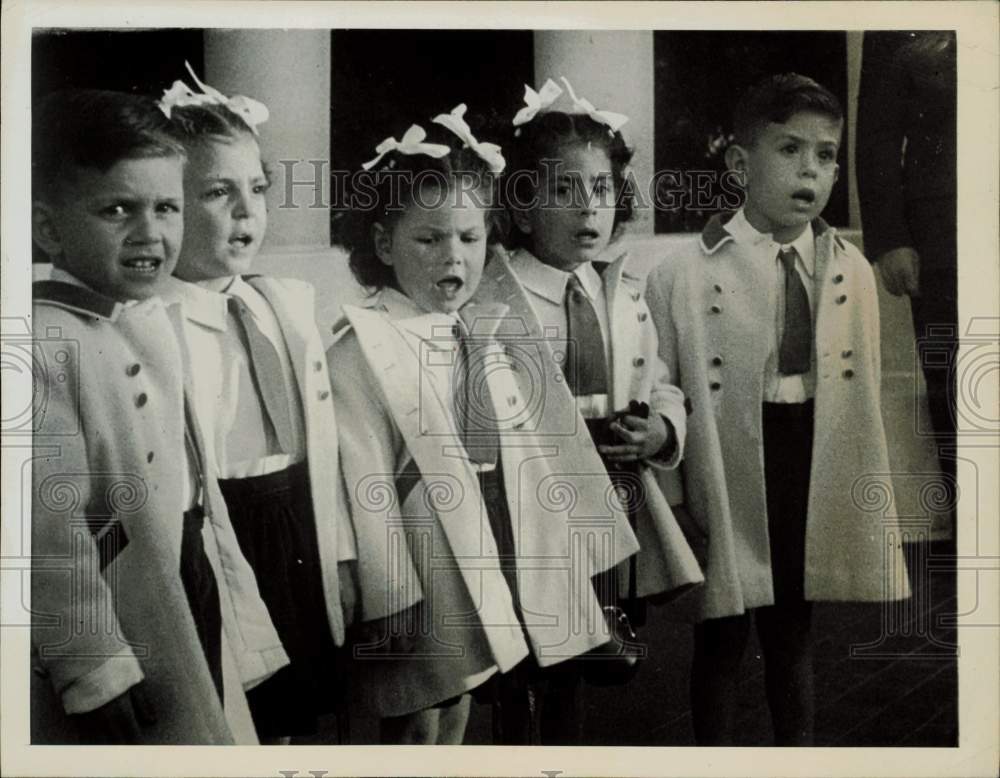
[488, 152]
[412, 143]
[536, 101]
[610, 118]
[180, 94]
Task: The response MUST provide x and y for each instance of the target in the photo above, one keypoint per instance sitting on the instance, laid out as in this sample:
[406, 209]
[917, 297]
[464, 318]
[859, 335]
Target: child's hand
[900, 269]
[643, 438]
[119, 721]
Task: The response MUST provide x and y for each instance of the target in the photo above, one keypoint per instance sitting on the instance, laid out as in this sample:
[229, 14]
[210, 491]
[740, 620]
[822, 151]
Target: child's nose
[144, 229]
[452, 251]
[243, 205]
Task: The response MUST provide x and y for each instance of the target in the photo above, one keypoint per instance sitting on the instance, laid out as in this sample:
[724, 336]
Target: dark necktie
[795, 355]
[584, 366]
[474, 409]
[265, 369]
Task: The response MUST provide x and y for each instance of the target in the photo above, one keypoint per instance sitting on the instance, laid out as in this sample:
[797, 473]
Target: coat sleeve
[881, 132]
[75, 631]
[658, 291]
[369, 441]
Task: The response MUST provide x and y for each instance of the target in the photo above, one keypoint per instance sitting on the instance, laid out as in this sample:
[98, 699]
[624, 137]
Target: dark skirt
[274, 523]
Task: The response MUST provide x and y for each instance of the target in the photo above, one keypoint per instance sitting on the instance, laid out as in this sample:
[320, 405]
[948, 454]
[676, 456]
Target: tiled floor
[885, 676]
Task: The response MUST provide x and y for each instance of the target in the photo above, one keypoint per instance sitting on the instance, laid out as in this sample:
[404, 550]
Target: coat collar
[77, 299]
[205, 307]
[715, 234]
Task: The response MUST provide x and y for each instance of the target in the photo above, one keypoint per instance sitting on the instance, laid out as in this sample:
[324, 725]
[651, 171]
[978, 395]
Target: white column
[288, 71]
[614, 70]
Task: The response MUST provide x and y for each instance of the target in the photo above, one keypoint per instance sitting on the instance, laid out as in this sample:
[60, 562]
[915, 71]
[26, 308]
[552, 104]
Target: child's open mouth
[804, 196]
[587, 236]
[241, 241]
[450, 285]
[143, 264]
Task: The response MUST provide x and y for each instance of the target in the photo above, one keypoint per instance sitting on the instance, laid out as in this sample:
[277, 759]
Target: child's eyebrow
[800, 139]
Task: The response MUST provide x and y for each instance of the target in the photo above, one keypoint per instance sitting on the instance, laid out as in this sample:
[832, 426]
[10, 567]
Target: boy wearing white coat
[771, 322]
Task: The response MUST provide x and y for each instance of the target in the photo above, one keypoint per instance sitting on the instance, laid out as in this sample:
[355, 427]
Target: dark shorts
[788, 439]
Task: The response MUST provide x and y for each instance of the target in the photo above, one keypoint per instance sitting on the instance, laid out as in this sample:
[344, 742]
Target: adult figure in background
[906, 180]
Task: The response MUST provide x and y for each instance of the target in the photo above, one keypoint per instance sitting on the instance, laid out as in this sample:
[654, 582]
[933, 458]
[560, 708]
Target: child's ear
[836, 173]
[382, 238]
[43, 229]
[736, 158]
[521, 220]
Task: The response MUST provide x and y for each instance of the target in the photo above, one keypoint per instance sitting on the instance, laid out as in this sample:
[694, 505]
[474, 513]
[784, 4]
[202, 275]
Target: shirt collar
[433, 327]
[550, 282]
[65, 277]
[746, 234]
[202, 306]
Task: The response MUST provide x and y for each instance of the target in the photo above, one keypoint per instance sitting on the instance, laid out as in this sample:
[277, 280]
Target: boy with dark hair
[771, 322]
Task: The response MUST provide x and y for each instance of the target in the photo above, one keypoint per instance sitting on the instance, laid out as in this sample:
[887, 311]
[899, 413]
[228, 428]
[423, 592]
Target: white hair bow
[488, 152]
[180, 94]
[412, 143]
[536, 101]
[613, 120]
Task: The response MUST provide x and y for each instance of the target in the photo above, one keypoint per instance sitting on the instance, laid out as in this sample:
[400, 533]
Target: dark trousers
[784, 629]
[202, 592]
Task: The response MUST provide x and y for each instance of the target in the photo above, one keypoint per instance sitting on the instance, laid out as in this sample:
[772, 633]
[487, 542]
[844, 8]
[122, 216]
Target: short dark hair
[93, 128]
[381, 196]
[191, 123]
[778, 97]
[544, 138]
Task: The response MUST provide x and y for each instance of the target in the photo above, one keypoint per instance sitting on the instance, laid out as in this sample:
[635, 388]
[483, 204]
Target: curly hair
[382, 195]
[94, 128]
[545, 138]
[776, 98]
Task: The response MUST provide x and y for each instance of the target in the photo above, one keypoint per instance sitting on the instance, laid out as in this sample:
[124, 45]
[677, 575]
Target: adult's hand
[900, 269]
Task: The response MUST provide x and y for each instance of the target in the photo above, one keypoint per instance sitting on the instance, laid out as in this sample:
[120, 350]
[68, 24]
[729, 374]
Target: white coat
[665, 561]
[436, 550]
[711, 304]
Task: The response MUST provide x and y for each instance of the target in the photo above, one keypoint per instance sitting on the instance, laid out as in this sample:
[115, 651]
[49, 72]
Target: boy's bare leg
[719, 645]
[420, 728]
[452, 722]
[785, 638]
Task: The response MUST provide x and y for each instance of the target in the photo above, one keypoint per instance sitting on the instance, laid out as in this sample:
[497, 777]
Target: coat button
[838, 278]
[643, 316]
[635, 296]
[149, 456]
[324, 394]
[848, 374]
[688, 407]
[132, 370]
[715, 386]
[718, 288]
[511, 401]
[639, 361]
[846, 353]
[317, 365]
[716, 309]
[842, 299]
[716, 361]
[140, 399]
[41, 672]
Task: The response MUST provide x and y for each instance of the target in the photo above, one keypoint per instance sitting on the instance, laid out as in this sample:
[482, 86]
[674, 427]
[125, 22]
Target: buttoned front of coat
[109, 491]
[712, 304]
[665, 561]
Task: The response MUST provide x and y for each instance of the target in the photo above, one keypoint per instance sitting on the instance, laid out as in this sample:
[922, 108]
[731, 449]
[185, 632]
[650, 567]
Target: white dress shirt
[762, 247]
[228, 405]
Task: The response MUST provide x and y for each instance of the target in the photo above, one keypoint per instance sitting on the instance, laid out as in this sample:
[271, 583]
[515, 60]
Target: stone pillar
[288, 71]
[614, 70]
